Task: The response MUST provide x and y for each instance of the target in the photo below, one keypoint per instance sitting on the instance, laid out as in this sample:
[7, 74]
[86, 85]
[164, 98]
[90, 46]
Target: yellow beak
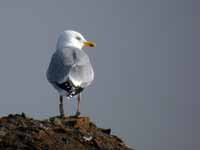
[89, 43]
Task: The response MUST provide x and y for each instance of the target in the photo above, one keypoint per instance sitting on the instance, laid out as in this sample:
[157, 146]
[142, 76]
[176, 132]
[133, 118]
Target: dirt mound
[18, 132]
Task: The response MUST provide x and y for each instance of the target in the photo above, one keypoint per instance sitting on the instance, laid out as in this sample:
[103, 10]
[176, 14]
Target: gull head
[72, 39]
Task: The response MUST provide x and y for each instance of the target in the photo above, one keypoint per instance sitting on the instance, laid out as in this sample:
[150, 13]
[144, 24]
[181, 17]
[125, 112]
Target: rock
[107, 131]
[87, 138]
[19, 132]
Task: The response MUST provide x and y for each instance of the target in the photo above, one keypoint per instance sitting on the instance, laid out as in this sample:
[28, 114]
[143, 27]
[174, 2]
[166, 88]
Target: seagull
[70, 70]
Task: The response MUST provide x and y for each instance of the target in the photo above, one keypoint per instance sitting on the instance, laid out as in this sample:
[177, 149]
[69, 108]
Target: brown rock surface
[18, 132]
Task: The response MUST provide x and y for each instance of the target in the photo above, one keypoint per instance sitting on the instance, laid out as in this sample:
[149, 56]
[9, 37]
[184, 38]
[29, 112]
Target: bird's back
[73, 64]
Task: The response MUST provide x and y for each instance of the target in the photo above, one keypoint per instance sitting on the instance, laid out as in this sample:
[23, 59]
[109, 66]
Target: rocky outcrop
[18, 132]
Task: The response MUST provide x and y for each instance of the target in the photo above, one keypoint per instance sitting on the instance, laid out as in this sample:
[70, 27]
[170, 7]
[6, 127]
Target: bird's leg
[78, 105]
[61, 106]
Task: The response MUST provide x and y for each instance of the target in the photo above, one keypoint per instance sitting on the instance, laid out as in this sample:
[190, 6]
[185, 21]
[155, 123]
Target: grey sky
[146, 65]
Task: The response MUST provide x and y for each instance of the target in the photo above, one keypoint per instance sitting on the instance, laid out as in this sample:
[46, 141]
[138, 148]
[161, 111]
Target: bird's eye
[78, 38]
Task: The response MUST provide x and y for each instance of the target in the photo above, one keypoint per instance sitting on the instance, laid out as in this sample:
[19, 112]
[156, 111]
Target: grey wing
[59, 68]
[70, 64]
[81, 75]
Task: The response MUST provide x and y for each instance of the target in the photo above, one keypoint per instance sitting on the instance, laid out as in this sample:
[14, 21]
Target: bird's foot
[78, 113]
[62, 115]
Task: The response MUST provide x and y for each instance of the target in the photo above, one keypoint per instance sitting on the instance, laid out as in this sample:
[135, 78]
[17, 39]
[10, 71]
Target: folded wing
[70, 64]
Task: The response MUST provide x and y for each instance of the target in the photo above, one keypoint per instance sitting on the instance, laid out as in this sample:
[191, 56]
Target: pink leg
[78, 105]
[61, 106]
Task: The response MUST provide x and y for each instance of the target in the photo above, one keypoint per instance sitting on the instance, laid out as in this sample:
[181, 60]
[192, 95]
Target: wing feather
[70, 64]
[59, 67]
